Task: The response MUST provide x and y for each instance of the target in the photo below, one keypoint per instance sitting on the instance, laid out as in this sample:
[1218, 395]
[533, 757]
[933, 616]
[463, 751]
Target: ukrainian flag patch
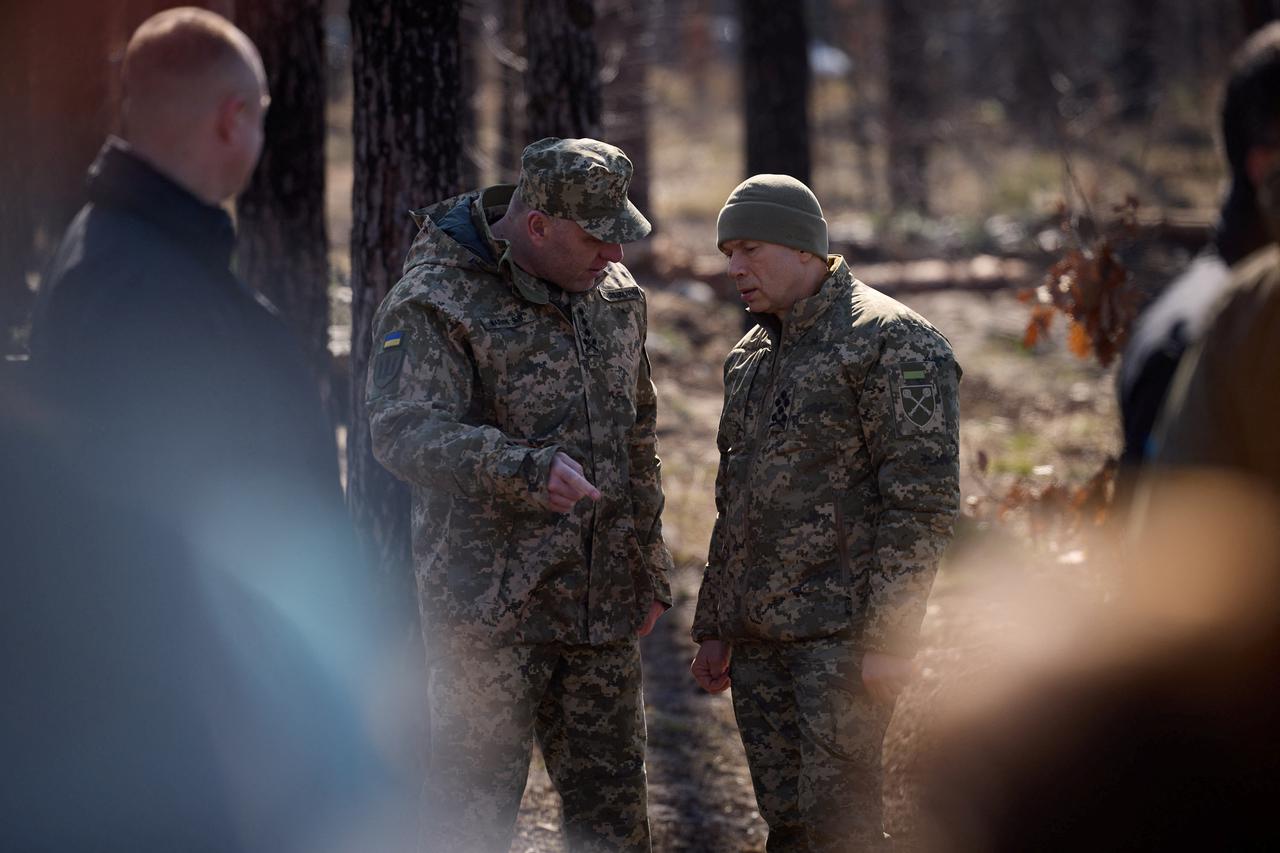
[392, 340]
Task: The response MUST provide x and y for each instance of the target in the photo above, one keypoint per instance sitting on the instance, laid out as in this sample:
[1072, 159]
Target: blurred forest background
[944, 138]
[948, 140]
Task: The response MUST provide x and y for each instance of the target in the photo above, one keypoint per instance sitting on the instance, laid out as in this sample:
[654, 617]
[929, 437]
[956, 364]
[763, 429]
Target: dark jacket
[1176, 319]
[1222, 405]
[171, 376]
[194, 634]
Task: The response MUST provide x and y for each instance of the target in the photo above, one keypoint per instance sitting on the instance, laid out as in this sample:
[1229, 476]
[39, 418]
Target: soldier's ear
[537, 225]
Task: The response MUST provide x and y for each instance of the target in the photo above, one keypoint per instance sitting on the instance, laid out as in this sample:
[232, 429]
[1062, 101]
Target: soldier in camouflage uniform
[837, 489]
[510, 388]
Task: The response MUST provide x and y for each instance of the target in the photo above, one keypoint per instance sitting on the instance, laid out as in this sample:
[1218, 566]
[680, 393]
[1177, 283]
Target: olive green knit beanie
[774, 209]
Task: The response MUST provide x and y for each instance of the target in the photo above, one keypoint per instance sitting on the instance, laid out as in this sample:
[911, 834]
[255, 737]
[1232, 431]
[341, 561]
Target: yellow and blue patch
[388, 361]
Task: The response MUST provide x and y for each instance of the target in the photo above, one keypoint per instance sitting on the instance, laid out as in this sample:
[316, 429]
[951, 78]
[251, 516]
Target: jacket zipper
[842, 544]
[572, 313]
[761, 432]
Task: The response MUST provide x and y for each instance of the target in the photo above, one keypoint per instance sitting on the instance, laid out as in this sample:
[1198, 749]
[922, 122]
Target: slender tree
[907, 107]
[775, 87]
[284, 249]
[562, 80]
[1135, 67]
[504, 36]
[407, 154]
[628, 50]
[470, 47]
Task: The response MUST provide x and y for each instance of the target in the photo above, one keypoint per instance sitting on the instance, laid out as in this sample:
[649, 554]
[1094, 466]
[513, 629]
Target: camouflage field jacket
[839, 474]
[480, 373]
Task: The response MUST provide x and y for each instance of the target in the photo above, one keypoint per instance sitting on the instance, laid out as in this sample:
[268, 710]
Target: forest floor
[1039, 417]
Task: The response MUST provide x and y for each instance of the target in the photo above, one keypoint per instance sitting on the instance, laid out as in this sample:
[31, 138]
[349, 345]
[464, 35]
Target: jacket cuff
[524, 473]
[660, 565]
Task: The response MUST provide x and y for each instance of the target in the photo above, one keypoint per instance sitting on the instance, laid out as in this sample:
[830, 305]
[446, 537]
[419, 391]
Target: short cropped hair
[180, 46]
[1251, 102]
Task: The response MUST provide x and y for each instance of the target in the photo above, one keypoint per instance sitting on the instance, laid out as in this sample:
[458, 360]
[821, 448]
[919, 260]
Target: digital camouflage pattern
[493, 700]
[482, 373]
[812, 735]
[480, 376]
[839, 473]
[583, 180]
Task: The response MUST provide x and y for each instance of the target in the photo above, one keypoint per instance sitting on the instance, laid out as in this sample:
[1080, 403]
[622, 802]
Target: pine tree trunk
[775, 88]
[1135, 67]
[470, 43]
[907, 107]
[407, 152]
[562, 80]
[512, 136]
[626, 95]
[284, 249]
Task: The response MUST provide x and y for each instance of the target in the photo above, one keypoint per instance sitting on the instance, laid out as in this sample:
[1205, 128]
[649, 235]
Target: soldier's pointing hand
[566, 484]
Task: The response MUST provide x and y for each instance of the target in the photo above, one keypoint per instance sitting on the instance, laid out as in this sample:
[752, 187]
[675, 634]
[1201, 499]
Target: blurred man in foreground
[1159, 730]
[837, 488]
[511, 390]
[1177, 319]
[189, 645]
[1150, 722]
[1222, 411]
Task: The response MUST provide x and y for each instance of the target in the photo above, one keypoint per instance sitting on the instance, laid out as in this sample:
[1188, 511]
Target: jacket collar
[528, 286]
[806, 312]
[433, 243]
[121, 179]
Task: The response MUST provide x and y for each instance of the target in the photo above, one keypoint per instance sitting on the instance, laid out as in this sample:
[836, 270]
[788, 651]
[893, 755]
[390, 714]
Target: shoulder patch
[917, 408]
[621, 294]
[388, 360]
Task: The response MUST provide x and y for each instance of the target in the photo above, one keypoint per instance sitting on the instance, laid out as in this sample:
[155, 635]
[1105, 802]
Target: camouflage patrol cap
[583, 180]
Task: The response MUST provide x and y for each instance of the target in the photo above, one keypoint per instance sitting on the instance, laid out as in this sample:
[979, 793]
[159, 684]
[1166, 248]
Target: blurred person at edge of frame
[1176, 320]
[1159, 732]
[187, 645]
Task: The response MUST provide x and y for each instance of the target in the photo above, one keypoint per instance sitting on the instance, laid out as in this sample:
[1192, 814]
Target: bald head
[194, 99]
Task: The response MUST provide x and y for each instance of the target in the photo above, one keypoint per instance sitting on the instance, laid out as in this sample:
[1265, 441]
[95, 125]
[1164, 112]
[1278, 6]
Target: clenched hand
[711, 666]
[566, 485]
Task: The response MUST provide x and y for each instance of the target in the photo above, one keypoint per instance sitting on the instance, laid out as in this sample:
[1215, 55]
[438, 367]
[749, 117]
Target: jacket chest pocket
[610, 343]
[531, 375]
[811, 412]
[737, 420]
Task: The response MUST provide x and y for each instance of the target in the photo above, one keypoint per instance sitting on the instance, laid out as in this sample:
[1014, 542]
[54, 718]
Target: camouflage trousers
[584, 706]
[813, 738]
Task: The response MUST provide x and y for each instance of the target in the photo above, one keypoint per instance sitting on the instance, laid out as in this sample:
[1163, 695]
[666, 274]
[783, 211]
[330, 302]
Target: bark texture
[284, 248]
[407, 152]
[562, 80]
[907, 107]
[628, 54]
[775, 88]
